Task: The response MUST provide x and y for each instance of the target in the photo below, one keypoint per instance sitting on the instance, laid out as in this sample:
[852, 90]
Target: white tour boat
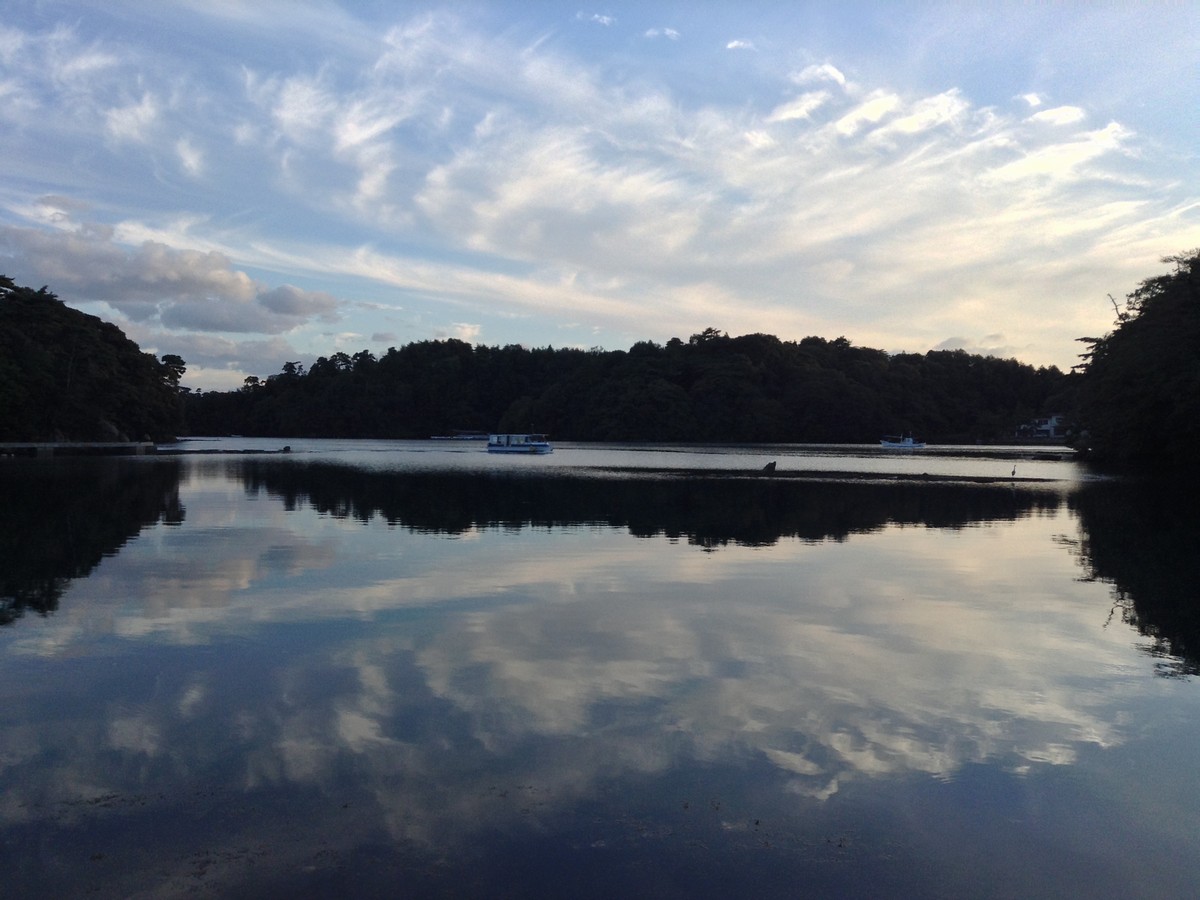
[519, 443]
[898, 442]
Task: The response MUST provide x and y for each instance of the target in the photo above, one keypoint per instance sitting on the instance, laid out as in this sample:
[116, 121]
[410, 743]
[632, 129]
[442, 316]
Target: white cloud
[740, 45]
[669, 33]
[871, 111]
[304, 107]
[464, 331]
[930, 112]
[190, 157]
[1060, 115]
[800, 108]
[760, 139]
[133, 122]
[1067, 160]
[819, 73]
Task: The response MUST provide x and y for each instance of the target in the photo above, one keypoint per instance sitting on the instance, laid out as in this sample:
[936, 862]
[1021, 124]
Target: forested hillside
[68, 376]
[710, 388]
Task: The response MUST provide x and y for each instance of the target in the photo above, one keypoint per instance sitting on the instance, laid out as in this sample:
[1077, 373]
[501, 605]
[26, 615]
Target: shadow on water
[1143, 539]
[709, 510]
[59, 520]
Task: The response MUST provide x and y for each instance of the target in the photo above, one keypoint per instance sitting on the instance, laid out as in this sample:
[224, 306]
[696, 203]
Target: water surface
[411, 669]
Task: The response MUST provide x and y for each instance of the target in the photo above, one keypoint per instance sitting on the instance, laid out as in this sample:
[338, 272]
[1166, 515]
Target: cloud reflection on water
[268, 646]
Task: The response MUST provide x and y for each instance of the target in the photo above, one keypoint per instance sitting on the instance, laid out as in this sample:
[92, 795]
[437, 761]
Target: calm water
[411, 669]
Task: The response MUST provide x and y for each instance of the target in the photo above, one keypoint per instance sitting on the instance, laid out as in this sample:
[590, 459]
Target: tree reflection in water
[60, 517]
[720, 729]
[1143, 539]
[1138, 536]
[707, 509]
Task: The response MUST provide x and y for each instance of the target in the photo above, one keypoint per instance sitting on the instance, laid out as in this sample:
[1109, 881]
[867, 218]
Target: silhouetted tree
[65, 375]
[1140, 392]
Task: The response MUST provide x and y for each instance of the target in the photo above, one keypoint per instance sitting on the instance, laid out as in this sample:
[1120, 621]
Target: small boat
[900, 442]
[519, 443]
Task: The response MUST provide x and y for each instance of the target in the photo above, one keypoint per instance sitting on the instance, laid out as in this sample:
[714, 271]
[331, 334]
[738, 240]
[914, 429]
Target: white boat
[900, 442]
[519, 443]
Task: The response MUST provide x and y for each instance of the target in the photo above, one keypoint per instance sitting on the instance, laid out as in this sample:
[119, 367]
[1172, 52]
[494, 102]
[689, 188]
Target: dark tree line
[68, 376]
[65, 375]
[1140, 391]
[712, 387]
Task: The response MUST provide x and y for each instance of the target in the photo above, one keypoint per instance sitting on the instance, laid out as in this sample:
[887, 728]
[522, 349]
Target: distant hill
[68, 376]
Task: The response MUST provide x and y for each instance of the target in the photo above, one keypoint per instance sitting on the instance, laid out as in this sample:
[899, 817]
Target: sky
[249, 183]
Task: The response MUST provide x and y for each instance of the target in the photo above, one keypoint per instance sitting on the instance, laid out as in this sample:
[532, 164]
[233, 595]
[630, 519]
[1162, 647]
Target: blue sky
[249, 183]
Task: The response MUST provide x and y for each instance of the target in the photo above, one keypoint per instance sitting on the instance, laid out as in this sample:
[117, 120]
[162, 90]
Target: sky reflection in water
[303, 677]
